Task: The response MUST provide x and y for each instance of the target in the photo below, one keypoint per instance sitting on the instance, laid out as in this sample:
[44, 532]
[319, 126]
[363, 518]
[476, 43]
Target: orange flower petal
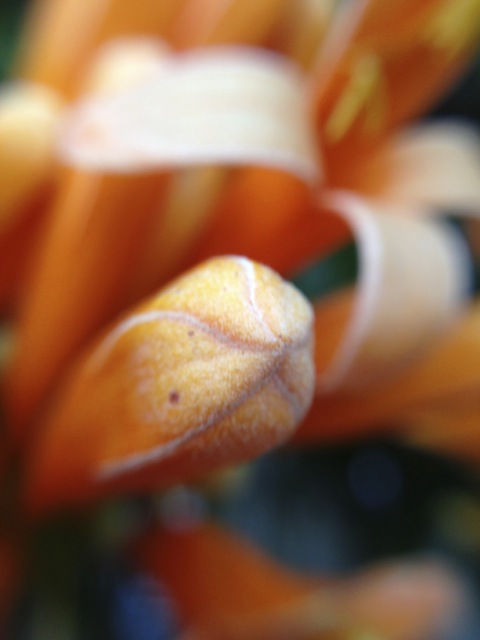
[304, 30]
[18, 246]
[226, 589]
[216, 369]
[449, 425]
[295, 28]
[218, 579]
[385, 63]
[188, 209]
[447, 371]
[30, 116]
[206, 22]
[53, 26]
[272, 217]
[81, 279]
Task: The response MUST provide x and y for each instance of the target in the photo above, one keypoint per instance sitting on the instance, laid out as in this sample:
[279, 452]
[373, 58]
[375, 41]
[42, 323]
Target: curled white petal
[225, 105]
[413, 282]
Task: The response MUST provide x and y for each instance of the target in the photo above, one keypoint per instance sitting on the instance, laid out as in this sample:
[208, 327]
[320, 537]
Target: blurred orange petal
[385, 63]
[206, 22]
[295, 27]
[228, 590]
[448, 426]
[30, 117]
[219, 580]
[53, 26]
[447, 371]
[97, 228]
[189, 206]
[18, 248]
[305, 28]
[273, 217]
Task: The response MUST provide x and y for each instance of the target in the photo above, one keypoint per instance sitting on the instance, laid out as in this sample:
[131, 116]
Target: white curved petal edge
[219, 105]
[413, 283]
[436, 165]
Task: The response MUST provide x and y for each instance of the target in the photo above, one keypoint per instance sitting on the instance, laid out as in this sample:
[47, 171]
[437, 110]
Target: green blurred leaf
[11, 14]
[334, 272]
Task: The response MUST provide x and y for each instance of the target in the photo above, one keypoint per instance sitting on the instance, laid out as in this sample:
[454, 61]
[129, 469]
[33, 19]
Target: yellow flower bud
[214, 370]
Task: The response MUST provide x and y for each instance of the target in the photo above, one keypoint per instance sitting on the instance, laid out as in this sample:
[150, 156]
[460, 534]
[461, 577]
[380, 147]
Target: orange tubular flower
[214, 370]
[152, 137]
[112, 134]
[134, 213]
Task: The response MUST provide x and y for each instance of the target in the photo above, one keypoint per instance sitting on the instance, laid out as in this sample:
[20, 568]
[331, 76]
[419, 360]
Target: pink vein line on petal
[100, 355]
[297, 410]
[249, 272]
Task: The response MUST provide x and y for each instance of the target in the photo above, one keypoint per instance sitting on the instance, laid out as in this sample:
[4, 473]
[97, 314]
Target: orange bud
[214, 370]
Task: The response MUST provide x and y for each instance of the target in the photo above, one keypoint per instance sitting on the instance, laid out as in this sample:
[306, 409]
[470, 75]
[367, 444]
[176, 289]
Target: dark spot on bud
[174, 397]
[191, 333]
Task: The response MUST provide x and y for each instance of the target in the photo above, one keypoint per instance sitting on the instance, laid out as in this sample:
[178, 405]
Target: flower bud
[214, 370]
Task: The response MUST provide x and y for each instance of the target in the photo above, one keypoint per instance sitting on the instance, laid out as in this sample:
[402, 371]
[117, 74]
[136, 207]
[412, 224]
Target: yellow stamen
[365, 93]
[455, 27]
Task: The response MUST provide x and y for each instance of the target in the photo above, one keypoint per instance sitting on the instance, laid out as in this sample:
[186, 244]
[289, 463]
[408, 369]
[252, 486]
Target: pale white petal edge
[413, 282]
[218, 105]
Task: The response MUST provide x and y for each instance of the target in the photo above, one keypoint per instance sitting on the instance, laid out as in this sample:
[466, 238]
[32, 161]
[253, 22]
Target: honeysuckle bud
[214, 370]
[238, 107]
